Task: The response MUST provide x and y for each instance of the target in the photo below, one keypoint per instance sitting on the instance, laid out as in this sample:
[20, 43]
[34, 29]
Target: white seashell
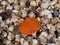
[59, 38]
[8, 42]
[44, 34]
[11, 28]
[0, 18]
[31, 14]
[2, 24]
[16, 7]
[10, 1]
[7, 21]
[38, 18]
[1, 10]
[22, 4]
[33, 3]
[58, 25]
[51, 44]
[46, 12]
[49, 16]
[4, 34]
[17, 38]
[52, 27]
[42, 39]
[53, 2]
[45, 5]
[9, 7]
[15, 11]
[3, 2]
[24, 15]
[34, 41]
[48, 26]
[22, 40]
[14, 19]
[42, 13]
[25, 43]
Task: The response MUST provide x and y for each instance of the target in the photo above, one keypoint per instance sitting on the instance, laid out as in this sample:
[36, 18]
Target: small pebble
[16, 7]
[34, 34]
[55, 13]
[9, 7]
[24, 15]
[58, 20]
[38, 9]
[31, 14]
[45, 5]
[53, 3]
[17, 43]
[14, 19]
[45, 21]
[22, 40]
[42, 13]
[44, 34]
[2, 23]
[49, 16]
[48, 26]
[22, 4]
[42, 39]
[54, 21]
[51, 44]
[4, 34]
[52, 28]
[46, 12]
[35, 42]
[11, 28]
[57, 6]
[10, 36]
[0, 18]
[8, 42]
[44, 27]
[50, 36]
[25, 43]
[38, 18]
[4, 3]
[1, 10]
[17, 38]
[57, 42]
[15, 11]
[10, 1]
[58, 25]
[8, 21]
[33, 3]
[59, 38]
